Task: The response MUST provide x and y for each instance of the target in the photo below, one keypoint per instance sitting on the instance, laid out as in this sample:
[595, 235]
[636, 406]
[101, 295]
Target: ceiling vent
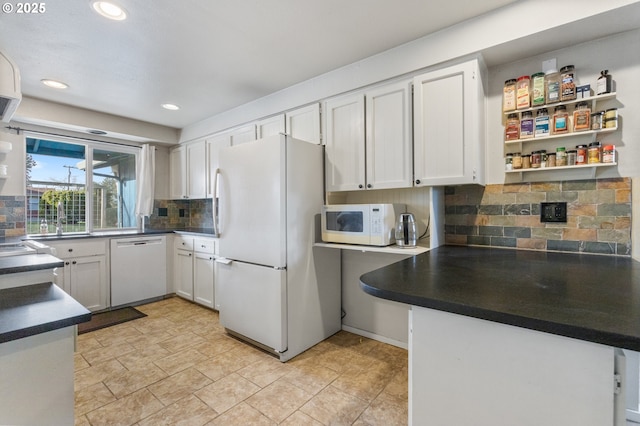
[10, 95]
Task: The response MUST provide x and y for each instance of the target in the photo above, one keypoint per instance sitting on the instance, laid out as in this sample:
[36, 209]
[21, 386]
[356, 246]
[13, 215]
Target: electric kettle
[406, 231]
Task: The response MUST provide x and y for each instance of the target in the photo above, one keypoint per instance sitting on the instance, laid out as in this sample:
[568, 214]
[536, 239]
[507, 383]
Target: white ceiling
[207, 56]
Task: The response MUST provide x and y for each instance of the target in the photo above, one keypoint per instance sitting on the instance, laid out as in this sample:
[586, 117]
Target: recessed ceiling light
[96, 132]
[55, 84]
[171, 107]
[110, 10]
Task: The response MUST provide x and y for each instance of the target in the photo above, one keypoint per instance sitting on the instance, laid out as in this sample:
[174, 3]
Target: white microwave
[367, 224]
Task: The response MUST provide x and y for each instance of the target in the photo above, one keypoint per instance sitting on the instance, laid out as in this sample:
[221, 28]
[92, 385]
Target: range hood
[10, 95]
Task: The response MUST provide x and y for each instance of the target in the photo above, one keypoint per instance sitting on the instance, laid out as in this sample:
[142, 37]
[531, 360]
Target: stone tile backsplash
[12, 216]
[181, 214]
[598, 216]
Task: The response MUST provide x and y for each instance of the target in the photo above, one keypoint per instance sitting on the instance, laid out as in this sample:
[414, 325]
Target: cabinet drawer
[183, 243]
[70, 249]
[205, 245]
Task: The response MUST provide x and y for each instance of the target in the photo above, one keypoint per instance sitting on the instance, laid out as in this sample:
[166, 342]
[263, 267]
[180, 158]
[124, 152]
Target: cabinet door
[344, 139]
[243, 134]
[270, 126]
[196, 170]
[183, 271]
[388, 137]
[203, 280]
[177, 171]
[88, 281]
[213, 146]
[448, 126]
[304, 123]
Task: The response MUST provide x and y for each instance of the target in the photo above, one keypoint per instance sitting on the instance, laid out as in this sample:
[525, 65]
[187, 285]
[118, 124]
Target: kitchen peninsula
[37, 336]
[500, 336]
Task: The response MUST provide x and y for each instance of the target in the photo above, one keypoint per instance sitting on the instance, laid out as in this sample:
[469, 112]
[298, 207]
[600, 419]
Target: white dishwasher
[138, 269]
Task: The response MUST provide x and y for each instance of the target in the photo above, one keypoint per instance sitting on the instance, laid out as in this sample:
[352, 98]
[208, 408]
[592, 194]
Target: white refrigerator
[273, 287]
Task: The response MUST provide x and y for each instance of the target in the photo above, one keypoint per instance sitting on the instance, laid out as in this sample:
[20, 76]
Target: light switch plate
[553, 212]
[549, 64]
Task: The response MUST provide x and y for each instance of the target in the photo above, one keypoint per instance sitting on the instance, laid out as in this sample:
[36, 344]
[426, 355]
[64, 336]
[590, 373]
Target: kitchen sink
[15, 249]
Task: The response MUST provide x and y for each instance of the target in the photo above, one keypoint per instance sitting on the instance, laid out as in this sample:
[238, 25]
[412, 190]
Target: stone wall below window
[598, 216]
[12, 216]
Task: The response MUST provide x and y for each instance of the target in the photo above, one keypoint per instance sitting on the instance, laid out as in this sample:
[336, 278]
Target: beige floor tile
[86, 342]
[311, 377]
[279, 400]
[180, 361]
[333, 406]
[300, 419]
[189, 411]
[96, 374]
[79, 362]
[81, 421]
[126, 411]
[96, 356]
[130, 381]
[383, 413]
[181, 342]
[149, 338]
[142, 357]
[367, 383]
[242, 414]
[227, 392]
[179, 386]
[117, 335]
[92, 397]
[398, 387]
[217, 344]
[264, 372]
[229, 362]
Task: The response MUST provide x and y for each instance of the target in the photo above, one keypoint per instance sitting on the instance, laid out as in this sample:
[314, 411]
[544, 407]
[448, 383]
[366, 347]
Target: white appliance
[138, 270]
[368, 224]
[274, 288]
[10, 94]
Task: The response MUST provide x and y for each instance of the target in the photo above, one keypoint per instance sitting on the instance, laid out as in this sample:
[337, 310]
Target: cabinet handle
[70, 250]
[417, 181]
[74, 262]
[360, 186]
[369, 185]
[66, 263]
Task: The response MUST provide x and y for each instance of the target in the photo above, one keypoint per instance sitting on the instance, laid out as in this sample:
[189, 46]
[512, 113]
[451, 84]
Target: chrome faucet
[60, 217]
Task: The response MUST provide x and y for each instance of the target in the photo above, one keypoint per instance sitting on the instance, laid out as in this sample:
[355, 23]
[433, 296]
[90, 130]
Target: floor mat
[109, 318]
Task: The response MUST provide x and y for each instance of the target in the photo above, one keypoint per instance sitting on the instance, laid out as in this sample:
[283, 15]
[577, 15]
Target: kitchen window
[96, 183]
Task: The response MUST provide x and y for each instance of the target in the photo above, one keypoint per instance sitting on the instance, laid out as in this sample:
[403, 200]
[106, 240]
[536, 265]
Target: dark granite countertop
[33, 309]
[588, 297]
[28, 263]
[119, 234]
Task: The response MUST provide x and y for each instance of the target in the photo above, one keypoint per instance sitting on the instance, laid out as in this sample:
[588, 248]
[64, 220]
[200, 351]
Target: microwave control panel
[376, 221]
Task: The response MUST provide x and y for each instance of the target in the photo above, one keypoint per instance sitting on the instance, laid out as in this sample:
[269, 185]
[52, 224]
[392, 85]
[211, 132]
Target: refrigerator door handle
[216, 211]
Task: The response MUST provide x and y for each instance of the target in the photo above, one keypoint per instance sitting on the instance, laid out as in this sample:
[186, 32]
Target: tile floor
[178, 367]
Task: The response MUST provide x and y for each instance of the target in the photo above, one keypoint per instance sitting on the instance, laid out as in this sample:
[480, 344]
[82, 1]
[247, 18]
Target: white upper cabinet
[304, 123]
[270, 126]
[178, 172]
[369, 150]
[243, 134]
[449, 142]
[196, 170]
[213, 146]
[344, 140]
[388, 137]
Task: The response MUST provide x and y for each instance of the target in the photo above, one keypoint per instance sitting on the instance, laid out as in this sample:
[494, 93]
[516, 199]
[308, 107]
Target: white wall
[620, 55]
[14, 184]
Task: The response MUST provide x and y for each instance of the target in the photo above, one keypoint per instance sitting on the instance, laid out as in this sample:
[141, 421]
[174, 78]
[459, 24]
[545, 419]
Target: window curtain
[145, 171]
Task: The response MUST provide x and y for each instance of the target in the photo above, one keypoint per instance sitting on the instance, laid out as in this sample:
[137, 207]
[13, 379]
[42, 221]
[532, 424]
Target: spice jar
[537, 89]
[512, 128]
[561, 156]
[508, 162]
[571, 157]
[551, 159]
[560, 120]
[536, 158]
[526, 161]
[596, 120]
[541, 123]
[581, 117]
[604, 83]
[609, 154]
[526, 125]
[552, 86]
[523, 93]
[517, 161]
[610, 118]
[568, 83]
[543, 158]
[581, 155]
[509, 95]
[594, 153]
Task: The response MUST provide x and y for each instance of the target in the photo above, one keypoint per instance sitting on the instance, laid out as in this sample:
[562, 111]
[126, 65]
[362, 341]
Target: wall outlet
[553, 212]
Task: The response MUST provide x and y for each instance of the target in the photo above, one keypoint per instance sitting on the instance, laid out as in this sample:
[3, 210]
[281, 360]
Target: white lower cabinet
[194, 269]
[84, 275]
